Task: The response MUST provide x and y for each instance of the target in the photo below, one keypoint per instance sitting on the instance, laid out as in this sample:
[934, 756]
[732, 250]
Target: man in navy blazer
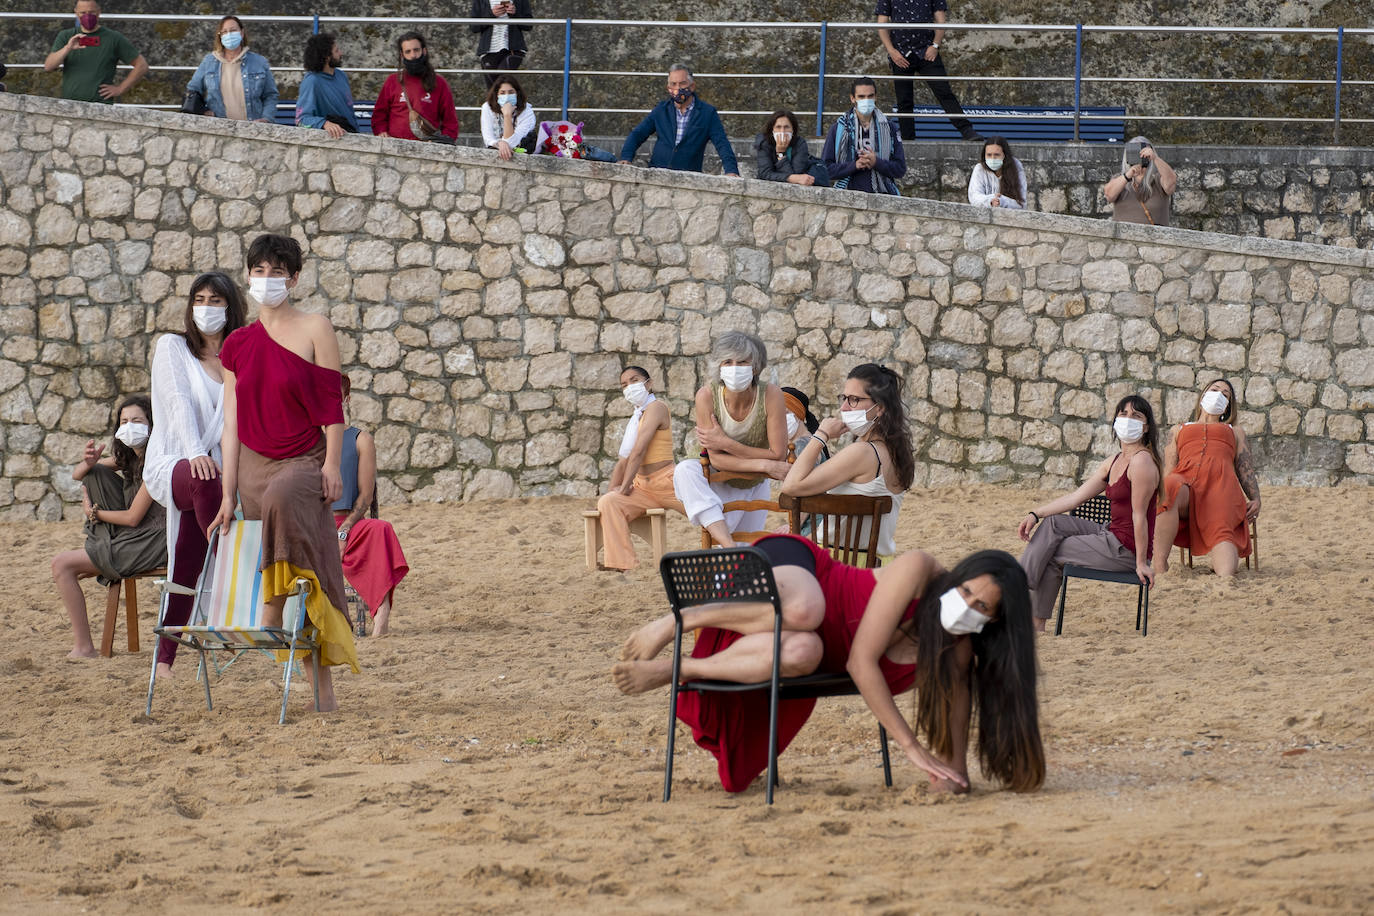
[683, 124]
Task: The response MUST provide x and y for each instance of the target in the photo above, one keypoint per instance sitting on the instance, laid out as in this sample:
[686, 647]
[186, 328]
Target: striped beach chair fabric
[227, 610]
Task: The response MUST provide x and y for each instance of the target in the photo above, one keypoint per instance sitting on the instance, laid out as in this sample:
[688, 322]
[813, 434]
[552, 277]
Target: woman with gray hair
[742, 426]
[1142, 192]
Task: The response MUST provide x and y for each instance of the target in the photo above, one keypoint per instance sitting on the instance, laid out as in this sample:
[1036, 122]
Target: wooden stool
[651, 527]
[130, 610]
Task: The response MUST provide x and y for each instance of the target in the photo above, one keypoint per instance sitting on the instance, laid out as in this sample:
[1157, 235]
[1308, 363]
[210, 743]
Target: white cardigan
[492, 123]
[188, 415]
[984, 185]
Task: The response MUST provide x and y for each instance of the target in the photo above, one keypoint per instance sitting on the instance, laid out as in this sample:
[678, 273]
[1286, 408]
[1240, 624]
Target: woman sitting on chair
[741, 423]
[1131, 481]
[962, 638]
[1209, 483]
[879, 462]
[183, 461]
[125, 528]
[643, 475]
[373, 562]
[281, 386]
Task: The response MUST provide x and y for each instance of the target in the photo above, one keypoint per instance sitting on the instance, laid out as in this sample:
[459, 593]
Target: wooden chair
[836, 522]
[739, 505]
[740, 574]
[1099, 509]
[130, 610]
[650, 527]
[1186, 555]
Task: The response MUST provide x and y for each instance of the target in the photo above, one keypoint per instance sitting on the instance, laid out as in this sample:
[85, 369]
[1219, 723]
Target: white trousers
[704, 501]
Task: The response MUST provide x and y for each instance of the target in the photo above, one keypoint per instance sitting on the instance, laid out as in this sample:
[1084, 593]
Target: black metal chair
[698, 577]
[1099, 509]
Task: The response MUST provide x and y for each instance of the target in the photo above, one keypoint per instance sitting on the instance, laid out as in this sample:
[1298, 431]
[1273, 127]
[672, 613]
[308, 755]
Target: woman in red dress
[1211, 490]
[962, 638]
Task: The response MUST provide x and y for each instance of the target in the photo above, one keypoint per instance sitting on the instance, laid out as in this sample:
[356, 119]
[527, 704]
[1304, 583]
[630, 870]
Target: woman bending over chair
[1211, 491]
[742, 424]
[879, 462]
[643, 474]
[124, 527]
[281, 385]
[1131, 481]
[962, 638]
[183, 461]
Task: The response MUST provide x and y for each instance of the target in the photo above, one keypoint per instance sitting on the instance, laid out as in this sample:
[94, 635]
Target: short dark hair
[862, 81]
[276, 251]
[127, 461]
[318, 51]
[641, 370]
[235, 309]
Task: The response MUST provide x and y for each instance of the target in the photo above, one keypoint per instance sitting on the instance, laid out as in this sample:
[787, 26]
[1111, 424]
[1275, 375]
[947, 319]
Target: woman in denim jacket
[235, 82]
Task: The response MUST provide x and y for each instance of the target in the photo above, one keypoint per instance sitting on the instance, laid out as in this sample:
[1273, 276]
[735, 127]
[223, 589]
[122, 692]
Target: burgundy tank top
[1122, 524]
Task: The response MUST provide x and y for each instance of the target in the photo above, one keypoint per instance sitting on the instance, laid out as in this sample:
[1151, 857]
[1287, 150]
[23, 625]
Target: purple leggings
[198, 501]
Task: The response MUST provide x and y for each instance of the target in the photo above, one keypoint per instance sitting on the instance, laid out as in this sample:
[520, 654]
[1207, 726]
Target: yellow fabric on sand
[336, 636]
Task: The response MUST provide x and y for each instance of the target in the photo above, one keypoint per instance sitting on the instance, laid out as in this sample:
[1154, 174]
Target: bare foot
[641, 676]
[164, 671]
[1161, 564]
[381, 621]
[328, 702]
[648, 640]
[943, 786]
[83, 653]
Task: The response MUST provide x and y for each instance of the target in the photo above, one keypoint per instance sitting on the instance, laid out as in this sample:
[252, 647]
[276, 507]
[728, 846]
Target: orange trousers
[618, 510]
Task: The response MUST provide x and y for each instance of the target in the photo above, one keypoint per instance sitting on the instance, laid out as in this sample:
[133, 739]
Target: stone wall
[485, 308]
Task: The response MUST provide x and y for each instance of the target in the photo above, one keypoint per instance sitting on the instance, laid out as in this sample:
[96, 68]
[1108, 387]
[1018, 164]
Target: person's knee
[804, 609]
[801, 654]
[606, 503]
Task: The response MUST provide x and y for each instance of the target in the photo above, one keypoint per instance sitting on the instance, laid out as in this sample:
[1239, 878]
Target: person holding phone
[88, 54]
[501, 44]
[1145, 187]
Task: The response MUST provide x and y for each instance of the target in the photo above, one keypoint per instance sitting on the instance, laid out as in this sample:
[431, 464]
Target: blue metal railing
[821, 73]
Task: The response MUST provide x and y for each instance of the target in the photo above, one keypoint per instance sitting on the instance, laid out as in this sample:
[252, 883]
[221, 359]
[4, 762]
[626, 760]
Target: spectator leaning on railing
[1143, 191]
[88, 54]
[781, 153]
[862, 150]
[683, 124]
[415, 102]
[234, 82]
[325, 99]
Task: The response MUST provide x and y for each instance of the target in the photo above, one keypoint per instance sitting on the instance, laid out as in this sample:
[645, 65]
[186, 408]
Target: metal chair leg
[672, 711]
[1139, 599]
[286, 691]
[1145, 619]
[887, 758]
[1063, 595]
[773, 711]
[205, 670]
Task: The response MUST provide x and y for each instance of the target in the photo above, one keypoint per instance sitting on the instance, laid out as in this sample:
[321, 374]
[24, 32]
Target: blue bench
[286, 114]
[1045, 125]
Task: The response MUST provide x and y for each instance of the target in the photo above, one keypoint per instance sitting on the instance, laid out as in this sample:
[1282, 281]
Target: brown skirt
[298, 525]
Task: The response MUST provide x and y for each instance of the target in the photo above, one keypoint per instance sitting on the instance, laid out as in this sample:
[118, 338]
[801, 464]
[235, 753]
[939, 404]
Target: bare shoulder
[1240, 437]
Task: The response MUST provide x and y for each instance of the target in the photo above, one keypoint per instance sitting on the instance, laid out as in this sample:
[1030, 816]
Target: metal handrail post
[820, 86]
[315, 27]
[1077, 77]
[1336, 126]
[567, 65]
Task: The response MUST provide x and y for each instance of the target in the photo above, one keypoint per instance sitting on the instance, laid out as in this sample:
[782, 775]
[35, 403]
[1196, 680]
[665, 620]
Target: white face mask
[503, 100]
[737, 378]
[637, 394]
[209, 318]
[782, 137]
[856, 420]
[1129, 429]
[793, 425]
[268, 291]
[1214, 403]
[132, 434]
[957, 617]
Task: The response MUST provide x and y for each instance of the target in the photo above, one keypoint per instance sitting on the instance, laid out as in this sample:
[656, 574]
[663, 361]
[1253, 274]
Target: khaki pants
[618, 510]
[1061, 540]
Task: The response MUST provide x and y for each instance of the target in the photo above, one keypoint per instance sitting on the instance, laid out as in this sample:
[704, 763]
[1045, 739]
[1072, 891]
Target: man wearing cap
[88, 54]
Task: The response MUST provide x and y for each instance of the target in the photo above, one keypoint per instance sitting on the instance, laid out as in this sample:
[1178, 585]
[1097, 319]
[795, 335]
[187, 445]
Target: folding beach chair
[1099, 509]
[698, 577]
[227, 613]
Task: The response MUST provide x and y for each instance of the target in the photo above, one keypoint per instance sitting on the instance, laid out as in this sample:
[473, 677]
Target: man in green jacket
[88, 54]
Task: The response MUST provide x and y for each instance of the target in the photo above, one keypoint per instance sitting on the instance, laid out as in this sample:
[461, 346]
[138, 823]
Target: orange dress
[1216, 502]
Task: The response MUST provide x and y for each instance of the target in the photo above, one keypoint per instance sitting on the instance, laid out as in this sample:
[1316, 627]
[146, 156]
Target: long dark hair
[235, 310]
[1151, 438]
[773, 119]
[1009, 182]
[1001, 678]
[885, 388]
[495, 90]
[128, 462]
[429, 79]
[1229, 413]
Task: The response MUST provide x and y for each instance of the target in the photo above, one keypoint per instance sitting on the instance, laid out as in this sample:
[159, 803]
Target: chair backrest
[229, 593]
[846, 525]
[697, 577]
[1098, 509]
[739, 505]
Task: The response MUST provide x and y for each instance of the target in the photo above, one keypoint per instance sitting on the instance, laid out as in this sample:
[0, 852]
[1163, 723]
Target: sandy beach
[483, 761]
